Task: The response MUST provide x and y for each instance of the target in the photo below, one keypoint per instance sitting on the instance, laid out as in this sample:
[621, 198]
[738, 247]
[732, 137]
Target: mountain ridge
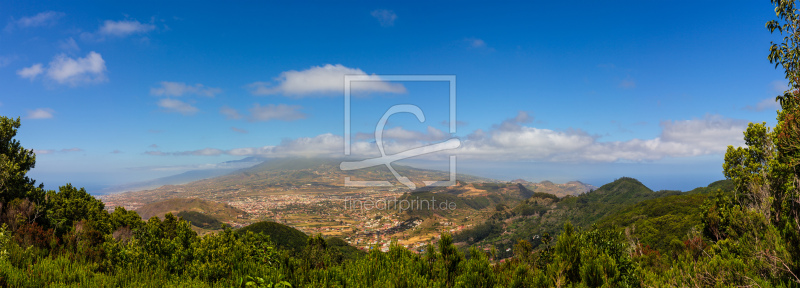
[219, 169]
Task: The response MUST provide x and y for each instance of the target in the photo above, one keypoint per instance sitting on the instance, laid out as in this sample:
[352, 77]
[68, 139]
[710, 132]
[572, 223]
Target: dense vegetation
[283, 236]
[744, 232]
[200, 220]
[545, 214]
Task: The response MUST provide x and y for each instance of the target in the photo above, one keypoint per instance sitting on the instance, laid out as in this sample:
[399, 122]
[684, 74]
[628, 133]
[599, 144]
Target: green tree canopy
[15, 162]
[71, 204]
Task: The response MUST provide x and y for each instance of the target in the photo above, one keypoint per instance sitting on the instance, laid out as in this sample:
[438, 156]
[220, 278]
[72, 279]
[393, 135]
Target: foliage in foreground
[68, 239]
[747, 236]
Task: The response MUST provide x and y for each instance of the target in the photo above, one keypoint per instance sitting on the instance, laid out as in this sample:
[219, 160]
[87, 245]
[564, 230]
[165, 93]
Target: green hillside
[611, 197]
[283, 236]
[544, 213]
[661, 223]
[348, 252]
[294, 240]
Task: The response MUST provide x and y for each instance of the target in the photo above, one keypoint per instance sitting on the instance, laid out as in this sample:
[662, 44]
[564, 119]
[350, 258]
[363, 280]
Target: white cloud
[230, 113]
[66, 70]
[52, 151]
[711, 134]
[31, 72]
[179, 89]
[328, 79]
[172, 105]
[402, 135]
[46, 18]
[276, 112]
[203, 152]
[325, 145]
[385, 17]
[124, 28]
[765, 104]
[41, 113]
[69, 45]
[524, 143]
[238, 130]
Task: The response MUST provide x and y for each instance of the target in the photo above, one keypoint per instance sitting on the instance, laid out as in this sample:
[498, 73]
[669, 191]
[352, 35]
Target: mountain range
[184, 177]
[301, 174]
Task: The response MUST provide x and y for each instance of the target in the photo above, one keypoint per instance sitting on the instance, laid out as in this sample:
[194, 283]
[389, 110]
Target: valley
[309, 195]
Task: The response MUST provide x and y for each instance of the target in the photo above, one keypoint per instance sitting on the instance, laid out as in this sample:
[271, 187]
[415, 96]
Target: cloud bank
[512, 140]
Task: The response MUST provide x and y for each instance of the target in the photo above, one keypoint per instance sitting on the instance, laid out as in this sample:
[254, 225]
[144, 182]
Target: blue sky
[111, 93]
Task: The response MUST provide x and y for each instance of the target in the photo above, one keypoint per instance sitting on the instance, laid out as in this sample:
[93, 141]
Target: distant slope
[220, 169]
[219, 211]
[178, 179]
[724, 185]
[573, 188]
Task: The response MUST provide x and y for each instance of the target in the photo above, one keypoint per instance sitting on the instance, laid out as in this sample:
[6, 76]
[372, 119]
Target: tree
[15, 162]
[71, 204]
[786, 198]
[765, 172]
[121, 217]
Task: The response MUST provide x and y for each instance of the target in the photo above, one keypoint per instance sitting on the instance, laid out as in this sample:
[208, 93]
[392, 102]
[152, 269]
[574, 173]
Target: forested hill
[546, 214]
[663, 223]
